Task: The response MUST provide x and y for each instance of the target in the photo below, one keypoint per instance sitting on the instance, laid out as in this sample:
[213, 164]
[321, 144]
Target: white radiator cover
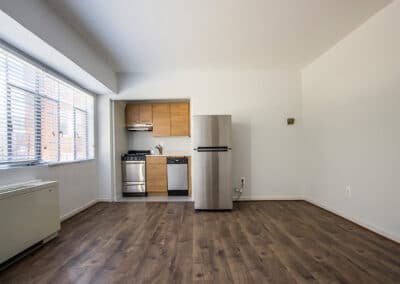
[29, 213]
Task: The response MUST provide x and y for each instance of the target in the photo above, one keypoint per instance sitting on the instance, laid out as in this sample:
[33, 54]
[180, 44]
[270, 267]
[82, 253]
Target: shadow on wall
[241, 156]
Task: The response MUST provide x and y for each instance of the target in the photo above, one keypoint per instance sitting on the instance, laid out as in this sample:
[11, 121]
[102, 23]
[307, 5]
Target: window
[42, 118]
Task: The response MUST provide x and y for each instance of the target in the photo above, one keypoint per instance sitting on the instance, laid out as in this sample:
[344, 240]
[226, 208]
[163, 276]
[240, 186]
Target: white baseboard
[269, 197]
[77, 210]
[356, 221]
[104, 200]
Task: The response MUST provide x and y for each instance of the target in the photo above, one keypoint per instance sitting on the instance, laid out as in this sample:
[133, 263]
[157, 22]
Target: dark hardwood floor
[259, 242]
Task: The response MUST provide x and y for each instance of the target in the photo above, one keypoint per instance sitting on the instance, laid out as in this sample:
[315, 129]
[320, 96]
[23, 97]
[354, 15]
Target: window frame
[38, 98]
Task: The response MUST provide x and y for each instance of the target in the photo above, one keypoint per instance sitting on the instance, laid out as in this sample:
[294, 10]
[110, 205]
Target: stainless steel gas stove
[134, 173]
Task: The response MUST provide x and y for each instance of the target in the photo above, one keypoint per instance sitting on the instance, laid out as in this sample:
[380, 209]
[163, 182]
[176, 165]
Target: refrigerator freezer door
[212, 184]
[212, 130]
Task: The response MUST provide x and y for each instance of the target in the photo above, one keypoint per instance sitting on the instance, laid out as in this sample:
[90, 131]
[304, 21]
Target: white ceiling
[154, 35]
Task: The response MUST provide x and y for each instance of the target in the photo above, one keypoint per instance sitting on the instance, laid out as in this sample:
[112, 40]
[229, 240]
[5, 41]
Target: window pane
[48, 86]
[21, 121]
[21, 74]
[66, 123]
[42, 118]
[80, 100]
[81, 134]
[49, 130]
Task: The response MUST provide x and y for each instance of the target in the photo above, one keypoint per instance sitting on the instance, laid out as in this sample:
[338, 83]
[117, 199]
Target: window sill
[50, 165]
[68, 163]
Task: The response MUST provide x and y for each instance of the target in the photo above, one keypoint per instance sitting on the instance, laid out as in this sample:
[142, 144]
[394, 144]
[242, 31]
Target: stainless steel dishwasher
[177, 169]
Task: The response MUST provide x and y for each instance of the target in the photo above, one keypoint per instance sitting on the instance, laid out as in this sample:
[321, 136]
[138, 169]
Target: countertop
[171, 155]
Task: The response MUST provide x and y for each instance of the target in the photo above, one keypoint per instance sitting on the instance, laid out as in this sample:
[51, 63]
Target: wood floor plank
[258, 242]
[374, 264]
[322, 250]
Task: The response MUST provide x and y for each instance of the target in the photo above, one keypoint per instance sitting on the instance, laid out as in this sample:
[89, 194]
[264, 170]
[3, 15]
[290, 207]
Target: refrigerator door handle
[213, 149]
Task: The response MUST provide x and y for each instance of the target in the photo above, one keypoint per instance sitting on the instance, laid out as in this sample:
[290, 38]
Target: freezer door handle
[213, 149]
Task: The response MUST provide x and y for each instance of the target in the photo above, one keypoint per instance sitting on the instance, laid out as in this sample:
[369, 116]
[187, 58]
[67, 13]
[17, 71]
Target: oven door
[133, 187]
[134, 171]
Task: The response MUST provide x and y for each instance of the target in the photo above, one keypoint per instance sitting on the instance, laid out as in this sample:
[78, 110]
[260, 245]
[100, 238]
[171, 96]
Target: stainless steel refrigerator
[212, 162]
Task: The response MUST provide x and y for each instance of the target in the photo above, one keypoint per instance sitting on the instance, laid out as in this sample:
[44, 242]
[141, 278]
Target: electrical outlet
[348, 191]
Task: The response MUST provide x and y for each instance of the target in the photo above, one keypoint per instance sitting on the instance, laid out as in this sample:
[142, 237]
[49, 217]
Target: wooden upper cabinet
[180, 119]
[138, 113]
[146, 113]
[132, 114]
[161, 120]
[169, 119]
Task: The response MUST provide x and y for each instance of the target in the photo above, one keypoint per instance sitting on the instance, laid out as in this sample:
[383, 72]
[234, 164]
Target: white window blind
[42, 118]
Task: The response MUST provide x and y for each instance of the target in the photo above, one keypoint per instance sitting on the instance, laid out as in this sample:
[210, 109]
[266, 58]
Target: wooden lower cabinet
[156, 175]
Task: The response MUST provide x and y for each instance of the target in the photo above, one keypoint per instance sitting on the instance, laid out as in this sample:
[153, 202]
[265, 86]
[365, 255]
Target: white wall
[36, 16]
[171, 145]
[77, 182]
[351, 99]
[265, 148]
[16, 35]
[105, 143]
[49, 36]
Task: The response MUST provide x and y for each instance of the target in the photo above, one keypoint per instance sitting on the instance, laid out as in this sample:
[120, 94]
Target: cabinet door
[161, 120]
[156, 175]
[146, 113]
[180, 125]
[132, 114]
[156, 160]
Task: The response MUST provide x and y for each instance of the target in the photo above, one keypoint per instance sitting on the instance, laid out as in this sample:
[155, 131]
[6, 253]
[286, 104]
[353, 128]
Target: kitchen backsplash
[171, 145]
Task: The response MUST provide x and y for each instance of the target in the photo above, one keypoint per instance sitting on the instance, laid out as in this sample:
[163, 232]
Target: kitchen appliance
[134, 173]
[140, 127]
[177, 170]
[212, 159]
